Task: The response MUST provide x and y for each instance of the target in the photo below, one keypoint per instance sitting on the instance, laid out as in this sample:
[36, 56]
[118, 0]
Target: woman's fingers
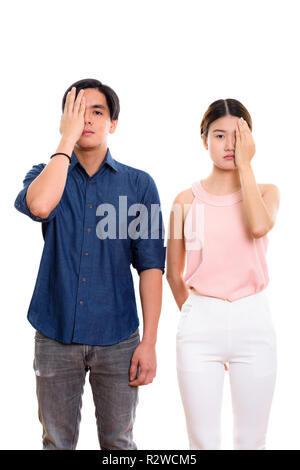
[243, 129]
[244, 125]
[238, 131]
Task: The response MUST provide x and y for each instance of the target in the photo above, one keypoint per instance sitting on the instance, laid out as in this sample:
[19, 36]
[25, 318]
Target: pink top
[223, 259]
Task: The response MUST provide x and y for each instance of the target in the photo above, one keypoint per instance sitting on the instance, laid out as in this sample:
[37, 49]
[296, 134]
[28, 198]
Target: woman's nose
[230, 143]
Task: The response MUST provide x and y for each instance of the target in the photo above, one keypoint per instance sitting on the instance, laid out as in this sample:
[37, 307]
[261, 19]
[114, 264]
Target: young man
[83, 305]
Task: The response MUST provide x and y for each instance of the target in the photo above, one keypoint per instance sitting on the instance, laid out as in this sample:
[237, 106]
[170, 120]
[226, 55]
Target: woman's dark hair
[222, 108]
[110, 95]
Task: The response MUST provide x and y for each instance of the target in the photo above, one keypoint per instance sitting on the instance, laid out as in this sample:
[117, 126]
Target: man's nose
[87, 117]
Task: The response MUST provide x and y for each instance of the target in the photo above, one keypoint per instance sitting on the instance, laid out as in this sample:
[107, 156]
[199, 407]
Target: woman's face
[220, 141]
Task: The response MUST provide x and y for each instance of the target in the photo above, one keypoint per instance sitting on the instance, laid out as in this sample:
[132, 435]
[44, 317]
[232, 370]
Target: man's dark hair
[110, 95]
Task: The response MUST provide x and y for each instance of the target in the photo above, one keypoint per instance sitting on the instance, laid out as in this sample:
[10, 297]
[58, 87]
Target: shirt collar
[108, 160]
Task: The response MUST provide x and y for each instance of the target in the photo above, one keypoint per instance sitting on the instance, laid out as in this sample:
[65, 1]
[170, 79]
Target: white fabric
[210, 332]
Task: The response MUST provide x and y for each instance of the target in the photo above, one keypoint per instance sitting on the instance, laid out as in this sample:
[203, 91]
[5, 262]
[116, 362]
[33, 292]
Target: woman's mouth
[229, 157]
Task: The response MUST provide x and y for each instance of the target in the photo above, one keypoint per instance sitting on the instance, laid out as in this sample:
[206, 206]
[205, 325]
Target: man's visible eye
[97, 112]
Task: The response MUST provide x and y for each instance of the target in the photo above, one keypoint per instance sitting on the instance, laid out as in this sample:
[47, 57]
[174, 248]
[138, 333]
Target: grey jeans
[60, 371]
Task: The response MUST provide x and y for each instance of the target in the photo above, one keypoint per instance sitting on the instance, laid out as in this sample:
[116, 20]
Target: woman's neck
[221, 182]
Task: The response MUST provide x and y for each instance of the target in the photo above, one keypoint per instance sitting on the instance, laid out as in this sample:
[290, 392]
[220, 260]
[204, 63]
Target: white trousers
[213, 331]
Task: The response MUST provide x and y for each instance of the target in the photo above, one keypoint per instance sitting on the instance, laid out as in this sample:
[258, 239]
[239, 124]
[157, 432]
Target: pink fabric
[223, 259]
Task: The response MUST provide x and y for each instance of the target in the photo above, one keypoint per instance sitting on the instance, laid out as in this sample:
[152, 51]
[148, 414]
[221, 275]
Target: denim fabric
[84, 291]
[60, 371]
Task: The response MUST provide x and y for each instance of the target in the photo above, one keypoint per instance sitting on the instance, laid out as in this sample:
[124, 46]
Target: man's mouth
[87, 133]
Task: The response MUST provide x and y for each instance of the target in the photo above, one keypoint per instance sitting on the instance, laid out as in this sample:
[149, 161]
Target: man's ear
[113, 126]
[204, 139]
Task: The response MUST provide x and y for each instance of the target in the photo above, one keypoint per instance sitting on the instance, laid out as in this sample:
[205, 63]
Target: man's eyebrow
[98, 106]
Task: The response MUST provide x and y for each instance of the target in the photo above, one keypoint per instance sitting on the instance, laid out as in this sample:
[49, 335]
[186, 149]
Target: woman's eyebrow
[219, 130]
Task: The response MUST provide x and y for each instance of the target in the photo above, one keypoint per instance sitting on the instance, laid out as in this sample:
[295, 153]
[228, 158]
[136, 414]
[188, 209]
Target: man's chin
[83, 144]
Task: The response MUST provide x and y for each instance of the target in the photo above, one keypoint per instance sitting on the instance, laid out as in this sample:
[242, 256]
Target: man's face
[220, 141]
[96, 119]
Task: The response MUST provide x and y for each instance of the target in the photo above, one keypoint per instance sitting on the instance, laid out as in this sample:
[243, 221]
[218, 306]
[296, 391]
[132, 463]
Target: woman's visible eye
[220, 135]
[97, 112]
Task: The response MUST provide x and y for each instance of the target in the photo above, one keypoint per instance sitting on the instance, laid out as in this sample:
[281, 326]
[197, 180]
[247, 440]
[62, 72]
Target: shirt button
[88, 229]
[86, 254]
[84, 279]
[81, 302]
[90, 206]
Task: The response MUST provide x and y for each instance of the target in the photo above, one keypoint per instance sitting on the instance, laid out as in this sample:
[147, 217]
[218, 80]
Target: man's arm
[45, 192]
[151, 300]
[148, 258]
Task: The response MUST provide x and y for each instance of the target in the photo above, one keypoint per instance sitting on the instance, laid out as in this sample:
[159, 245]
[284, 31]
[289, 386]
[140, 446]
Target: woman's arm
[261, 208]
[176, 253]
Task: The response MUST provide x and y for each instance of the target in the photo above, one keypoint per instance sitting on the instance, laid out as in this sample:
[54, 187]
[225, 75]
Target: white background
[167, 61]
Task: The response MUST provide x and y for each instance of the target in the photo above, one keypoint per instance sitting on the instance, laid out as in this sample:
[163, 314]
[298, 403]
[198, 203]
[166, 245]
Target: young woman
[219, 228]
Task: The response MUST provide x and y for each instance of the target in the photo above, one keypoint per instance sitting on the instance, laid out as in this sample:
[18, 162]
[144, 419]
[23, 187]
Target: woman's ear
[204, 139]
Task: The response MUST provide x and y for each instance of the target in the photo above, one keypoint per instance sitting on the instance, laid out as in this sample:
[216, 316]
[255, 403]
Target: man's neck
[91, 158]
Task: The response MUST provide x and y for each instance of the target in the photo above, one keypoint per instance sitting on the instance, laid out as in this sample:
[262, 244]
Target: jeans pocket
[133, 337]
[40, 337]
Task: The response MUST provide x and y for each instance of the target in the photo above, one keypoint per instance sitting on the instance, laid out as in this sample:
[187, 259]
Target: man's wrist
[148, 341]
[66, 145]
[68, 142]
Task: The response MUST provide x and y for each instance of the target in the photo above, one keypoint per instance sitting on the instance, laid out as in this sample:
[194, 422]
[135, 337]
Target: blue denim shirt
[84, 291]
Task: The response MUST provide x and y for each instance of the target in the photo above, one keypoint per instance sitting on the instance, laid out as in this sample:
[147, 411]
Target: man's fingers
[66, 108]
[82, 106]
[133, 370]
[149, 378]
[78, 102]
[143, 380]
[139, 381]
[71, 100]
[67, 103]
[146, 377]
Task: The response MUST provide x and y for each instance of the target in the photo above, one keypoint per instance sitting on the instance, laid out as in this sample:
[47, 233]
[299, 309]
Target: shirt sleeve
[20, 202]
[148, 249]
